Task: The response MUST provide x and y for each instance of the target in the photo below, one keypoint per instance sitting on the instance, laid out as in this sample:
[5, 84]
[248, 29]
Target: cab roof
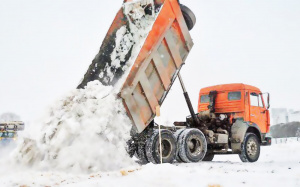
[229, 87]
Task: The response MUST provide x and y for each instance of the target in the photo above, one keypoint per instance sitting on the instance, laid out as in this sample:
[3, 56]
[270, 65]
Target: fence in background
[284, 140]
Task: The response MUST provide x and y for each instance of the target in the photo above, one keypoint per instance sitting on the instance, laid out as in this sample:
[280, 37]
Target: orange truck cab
[239, 101]
[235, 119]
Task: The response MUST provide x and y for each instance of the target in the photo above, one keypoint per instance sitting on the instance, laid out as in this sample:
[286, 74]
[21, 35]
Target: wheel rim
[251, 148]
[194, 145]
[166, 148]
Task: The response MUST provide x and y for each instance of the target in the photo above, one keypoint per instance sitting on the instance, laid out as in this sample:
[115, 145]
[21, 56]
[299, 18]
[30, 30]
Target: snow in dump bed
[86, 131]
[130, 39]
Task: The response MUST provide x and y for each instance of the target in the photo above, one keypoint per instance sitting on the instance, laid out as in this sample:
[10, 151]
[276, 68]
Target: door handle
[252, 115]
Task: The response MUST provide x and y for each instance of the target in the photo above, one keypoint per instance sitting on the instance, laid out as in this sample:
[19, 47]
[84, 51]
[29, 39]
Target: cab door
[258, 111]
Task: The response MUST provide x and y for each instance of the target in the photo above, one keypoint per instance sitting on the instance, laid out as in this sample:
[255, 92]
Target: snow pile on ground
[84, 132]
[87, 130]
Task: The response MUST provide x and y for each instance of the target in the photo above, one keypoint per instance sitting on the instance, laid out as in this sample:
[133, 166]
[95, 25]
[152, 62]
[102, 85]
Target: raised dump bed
[146, 83]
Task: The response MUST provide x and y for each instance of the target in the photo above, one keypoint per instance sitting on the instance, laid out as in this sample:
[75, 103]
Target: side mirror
[268, 100]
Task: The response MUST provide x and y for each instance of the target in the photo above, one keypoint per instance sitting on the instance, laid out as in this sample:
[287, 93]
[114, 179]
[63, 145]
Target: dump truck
[143, 76]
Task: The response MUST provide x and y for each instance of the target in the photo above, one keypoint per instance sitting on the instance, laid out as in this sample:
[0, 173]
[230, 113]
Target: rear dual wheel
[187, 145]
[192, 145]
[141, 153]
[208, 157]
[168, 147]
[177, 135]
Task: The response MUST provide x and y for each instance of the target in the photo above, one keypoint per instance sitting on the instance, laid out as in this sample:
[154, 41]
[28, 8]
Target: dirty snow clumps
[86, 131]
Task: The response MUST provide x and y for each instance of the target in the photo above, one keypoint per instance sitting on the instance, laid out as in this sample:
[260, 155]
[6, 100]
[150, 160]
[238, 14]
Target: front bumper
[267, 141]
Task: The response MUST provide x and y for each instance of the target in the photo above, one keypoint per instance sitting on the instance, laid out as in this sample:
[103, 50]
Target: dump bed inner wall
[157, 65]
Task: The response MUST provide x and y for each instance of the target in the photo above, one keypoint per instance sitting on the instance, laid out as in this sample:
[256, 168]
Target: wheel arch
[238, 132]
[255, 130]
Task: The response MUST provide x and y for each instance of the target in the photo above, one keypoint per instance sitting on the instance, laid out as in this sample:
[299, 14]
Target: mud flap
[238, 131]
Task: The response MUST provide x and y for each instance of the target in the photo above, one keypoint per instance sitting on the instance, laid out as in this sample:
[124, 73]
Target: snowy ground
[279, 165]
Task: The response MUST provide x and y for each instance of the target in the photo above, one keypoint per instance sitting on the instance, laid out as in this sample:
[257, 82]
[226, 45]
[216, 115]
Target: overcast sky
[46, 47]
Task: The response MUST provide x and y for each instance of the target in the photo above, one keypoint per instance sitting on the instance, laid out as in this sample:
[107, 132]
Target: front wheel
[250, 149]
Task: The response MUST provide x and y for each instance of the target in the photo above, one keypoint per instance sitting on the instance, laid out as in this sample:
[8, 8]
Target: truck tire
[208, 157]
[189, 16]
[177, 134]
[192, 145]
[141, 154]
[168, 147]
[250, 149]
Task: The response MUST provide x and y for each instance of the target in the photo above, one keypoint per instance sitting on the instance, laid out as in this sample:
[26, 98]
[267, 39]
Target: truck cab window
[204, 99]
[260, 104]
[234, 96]
[254, 99]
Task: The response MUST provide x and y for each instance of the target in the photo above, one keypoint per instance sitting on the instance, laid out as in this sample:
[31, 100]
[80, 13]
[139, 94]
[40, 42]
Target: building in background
[294, 115]
[283, 115]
